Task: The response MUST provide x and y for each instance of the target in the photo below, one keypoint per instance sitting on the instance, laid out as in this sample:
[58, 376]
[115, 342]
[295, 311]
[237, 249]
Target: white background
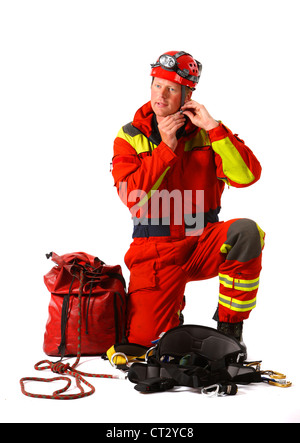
[72, 73]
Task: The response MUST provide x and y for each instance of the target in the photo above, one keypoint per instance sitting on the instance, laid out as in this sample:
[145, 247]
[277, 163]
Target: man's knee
[245, 240]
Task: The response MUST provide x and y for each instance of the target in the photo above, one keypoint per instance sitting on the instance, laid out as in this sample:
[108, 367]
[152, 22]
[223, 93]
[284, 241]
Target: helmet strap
[183, 89]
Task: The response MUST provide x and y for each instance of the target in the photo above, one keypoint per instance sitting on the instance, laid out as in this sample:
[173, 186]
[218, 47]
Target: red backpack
[102, 306]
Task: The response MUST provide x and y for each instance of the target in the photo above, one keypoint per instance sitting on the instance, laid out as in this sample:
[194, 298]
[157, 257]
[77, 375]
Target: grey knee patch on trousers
[244, 239]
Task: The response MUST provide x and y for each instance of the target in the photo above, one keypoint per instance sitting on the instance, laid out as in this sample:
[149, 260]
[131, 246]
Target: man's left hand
[199, 115]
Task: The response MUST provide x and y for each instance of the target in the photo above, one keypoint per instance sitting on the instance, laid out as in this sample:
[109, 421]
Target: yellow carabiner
[280, 384]
[276, 375]
[255, 363]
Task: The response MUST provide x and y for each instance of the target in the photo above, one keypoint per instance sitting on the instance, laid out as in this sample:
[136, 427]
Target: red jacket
[202, 161]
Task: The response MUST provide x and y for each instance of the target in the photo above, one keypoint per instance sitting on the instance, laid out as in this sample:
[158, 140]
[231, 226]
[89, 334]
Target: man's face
[165, 97]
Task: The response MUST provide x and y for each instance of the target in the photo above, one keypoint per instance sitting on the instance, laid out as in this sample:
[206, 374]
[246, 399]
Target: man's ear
[188, 96]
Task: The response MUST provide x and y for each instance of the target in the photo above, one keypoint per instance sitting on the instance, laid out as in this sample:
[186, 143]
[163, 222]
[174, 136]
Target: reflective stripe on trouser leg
[237, 297]
[239, 284]
[237, 305]
[239, 274]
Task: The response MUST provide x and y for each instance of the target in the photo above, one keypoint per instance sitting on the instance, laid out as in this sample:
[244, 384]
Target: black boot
[234, 330]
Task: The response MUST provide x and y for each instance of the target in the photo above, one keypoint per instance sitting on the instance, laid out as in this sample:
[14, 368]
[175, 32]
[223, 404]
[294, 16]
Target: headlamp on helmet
[179, 67]
[167, 61]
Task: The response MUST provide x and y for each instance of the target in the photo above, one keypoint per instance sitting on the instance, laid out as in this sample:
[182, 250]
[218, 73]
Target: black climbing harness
[197, 357]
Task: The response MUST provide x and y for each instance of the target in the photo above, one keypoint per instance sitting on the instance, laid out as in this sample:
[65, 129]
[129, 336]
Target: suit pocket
[141, 261]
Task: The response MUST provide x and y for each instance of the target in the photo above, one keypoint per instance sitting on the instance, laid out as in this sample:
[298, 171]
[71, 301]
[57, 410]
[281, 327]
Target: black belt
[151, 231]
[156, 228]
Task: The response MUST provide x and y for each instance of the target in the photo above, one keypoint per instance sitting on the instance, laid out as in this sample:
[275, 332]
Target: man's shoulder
[130, 130]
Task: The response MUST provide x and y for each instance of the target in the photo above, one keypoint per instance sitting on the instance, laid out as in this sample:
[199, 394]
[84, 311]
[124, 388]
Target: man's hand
[168, 127]
[199, 115]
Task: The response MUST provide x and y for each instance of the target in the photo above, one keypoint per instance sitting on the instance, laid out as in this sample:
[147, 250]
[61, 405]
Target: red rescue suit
[177, 237]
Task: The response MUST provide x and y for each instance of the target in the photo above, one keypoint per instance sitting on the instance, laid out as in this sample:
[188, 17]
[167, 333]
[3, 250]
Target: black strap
[88, 307]
[155, 384]
[96, 276]
[170, 375]
[64, 320]
[119, 335]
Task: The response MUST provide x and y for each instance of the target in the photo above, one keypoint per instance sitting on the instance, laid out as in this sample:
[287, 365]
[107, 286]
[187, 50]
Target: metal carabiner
[214, 393]
[114, 365]
[273, 374]
[280, 383]
[257, 365]
[148, 352]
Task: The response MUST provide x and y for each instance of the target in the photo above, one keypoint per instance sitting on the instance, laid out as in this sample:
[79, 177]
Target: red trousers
[160, 268]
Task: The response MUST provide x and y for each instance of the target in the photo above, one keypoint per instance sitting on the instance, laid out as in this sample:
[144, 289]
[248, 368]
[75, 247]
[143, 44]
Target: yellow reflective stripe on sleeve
[154, 188]
[246, 285]
[239, 284]
[237, 305]
[226, 280]
[234, 166]
[139, 142]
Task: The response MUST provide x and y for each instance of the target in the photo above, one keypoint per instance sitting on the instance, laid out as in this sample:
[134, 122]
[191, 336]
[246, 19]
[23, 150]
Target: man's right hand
[168, 126]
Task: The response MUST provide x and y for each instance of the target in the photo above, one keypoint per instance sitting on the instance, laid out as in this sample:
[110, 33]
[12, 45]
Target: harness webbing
[196, 357]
